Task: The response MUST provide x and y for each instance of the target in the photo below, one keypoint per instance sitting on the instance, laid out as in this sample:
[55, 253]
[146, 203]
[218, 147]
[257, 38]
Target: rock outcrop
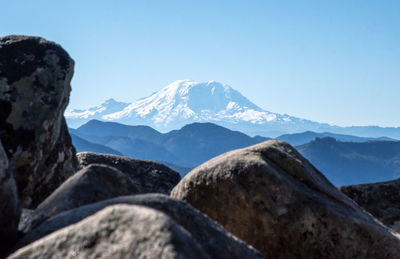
[121, 231]
[35, 76]
[149, 176]
[9, 209]
[215, 240]
[382, 200]
[91, 184]
[275, 200]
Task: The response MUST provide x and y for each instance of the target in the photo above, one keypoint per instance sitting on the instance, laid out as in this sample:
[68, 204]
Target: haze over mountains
[359, 160]
[183, 102]
[353, 163]
[189, 146]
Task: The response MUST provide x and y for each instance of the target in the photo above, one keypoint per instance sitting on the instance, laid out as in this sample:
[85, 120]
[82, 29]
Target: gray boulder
[275, 200]
[382, 200]
[149, 176]
[35, 76]
[214, 239]
[91, 184]
[120, 231]
[9, 209]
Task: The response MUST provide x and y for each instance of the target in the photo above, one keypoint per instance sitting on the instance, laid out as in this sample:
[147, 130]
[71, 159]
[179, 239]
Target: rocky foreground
[262, 201]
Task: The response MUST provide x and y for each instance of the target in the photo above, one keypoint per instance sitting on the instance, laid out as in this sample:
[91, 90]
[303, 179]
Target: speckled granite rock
[213, 238]
[35, 76]
[9, 209]
[275, 200]
[149, 176]
[89, 185]
[382, 200]
[120, 231]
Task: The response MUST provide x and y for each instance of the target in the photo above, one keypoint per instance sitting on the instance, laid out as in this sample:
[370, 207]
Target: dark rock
[149, 176]
[275, 200]
[91, 184]
[9, 209]
[35, 76]
[120, 231]
[382, 200]
[214, 239]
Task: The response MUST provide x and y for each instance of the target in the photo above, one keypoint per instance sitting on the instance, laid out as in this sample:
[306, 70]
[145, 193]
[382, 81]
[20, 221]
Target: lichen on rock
[35, 76]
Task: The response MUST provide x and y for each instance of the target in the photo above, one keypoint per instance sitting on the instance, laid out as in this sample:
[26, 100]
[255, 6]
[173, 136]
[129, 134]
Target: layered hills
[344, 159]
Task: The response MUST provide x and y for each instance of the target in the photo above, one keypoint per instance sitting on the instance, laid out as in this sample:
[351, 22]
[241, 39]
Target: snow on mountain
[78, 117]
[187, 101]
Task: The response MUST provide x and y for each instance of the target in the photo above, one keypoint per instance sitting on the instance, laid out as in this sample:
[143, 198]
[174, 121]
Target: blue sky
[329, 61]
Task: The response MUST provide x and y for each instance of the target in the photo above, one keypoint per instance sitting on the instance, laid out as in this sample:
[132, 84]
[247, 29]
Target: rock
[382, 200]
[120, 231]
[35, 76]
[91, 184]
[9, 209]
[148, 175]
[275, 200]
[26, 220]
[214, 239]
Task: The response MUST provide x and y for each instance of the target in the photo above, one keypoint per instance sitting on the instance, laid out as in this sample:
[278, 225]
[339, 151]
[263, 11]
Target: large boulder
[275, 200]
[120, 231]
[9, 209]
[214, 239]
[91, 184]
[149, 176]
[35, 76]
[382, 200]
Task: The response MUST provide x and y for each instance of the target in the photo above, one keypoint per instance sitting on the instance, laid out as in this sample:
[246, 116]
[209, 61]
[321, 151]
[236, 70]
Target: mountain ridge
[186, 101]
[342, 162]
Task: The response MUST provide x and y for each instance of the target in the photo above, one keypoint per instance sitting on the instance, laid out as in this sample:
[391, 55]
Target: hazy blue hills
[297, 139]
[344, 159]
[345, 163]
[96, 128]
[188, 147]
[84, 145]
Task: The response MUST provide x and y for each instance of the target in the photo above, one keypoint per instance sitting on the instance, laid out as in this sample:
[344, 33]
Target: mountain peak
[183, 87]
[110, 101]
[186, 101]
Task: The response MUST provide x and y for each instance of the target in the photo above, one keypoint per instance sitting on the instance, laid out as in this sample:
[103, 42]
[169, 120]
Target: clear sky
[328, 61]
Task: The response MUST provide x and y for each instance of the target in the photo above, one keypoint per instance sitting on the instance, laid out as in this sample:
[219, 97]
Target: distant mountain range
[84, 145]
[188, 147]
[346, 163]
[358, 161]
[297, 139]
[185, 101]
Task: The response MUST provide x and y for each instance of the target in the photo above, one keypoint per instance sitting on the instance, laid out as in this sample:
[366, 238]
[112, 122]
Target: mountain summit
[186, 101]
[77, 117]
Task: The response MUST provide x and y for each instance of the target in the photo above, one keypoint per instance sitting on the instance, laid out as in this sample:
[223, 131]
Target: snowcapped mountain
[186, 101]
[76, 117]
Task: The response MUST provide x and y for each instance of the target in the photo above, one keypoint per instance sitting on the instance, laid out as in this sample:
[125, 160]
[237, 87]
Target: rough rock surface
[148, 175]
[382, 200]
[275, 200]
[25, 220]
[9, 209]
[120, 231]
[91, 184]
[214, 239]
[35, 77]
